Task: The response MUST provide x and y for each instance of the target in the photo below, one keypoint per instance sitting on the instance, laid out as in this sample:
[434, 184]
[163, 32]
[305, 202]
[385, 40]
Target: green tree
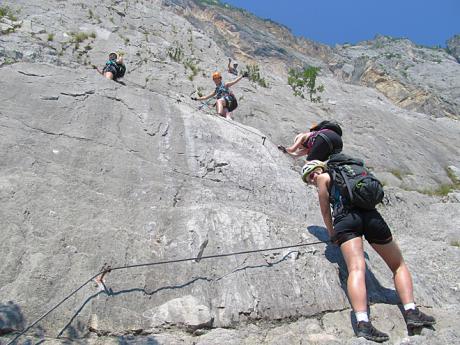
[254, 75]
[302, 81]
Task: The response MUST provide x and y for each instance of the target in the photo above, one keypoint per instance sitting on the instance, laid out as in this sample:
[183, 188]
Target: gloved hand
[245, 74]
[282, 148]
[194, 98]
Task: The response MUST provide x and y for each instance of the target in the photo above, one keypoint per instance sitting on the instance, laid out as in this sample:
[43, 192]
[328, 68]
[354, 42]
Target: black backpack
[121, 69]
[325, 124]
[231, 102]
[356, 183]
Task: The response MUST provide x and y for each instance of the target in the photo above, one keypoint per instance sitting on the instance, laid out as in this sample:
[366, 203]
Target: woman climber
[226, 100]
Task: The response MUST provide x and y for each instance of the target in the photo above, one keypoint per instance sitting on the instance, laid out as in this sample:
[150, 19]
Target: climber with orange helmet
[226, 100]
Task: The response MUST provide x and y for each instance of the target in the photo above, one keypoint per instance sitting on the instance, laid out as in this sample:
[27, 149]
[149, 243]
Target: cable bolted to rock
[107, 269]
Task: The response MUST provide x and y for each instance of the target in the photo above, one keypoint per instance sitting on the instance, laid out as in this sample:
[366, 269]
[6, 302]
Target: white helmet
[311, 166]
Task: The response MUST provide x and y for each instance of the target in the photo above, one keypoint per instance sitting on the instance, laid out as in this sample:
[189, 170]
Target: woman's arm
[298, 141]
[323, 182]
[204, 98]
[298, 153]
[233, 82]
[98, 70]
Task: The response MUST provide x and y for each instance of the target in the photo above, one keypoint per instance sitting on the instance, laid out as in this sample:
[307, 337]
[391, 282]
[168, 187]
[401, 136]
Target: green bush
[176, 52]
[50, 37]
[6, 11]
[254, 75]
[199, 91]
[190, 64]
[305, 81]
[78, 37]
[441, 190]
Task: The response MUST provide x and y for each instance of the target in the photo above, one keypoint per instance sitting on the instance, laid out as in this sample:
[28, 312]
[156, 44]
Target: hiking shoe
[415, 318]
[366, 330]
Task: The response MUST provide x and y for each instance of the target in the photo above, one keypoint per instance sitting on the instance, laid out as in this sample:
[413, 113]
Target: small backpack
[231, 102]
[325, 124]
[121, 69]
[355, 182]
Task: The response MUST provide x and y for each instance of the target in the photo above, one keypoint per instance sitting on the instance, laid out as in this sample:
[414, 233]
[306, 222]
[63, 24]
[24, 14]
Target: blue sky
[425, 22]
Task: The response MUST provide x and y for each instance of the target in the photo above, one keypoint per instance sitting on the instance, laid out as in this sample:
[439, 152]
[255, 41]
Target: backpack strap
[347, 183]
[327, 140]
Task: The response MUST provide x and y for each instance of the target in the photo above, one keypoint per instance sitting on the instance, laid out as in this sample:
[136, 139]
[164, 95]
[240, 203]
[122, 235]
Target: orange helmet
[216, 75]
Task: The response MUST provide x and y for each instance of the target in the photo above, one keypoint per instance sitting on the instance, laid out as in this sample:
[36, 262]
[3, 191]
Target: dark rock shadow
[11, 318]
[267, 264]
[375, 291]
[133, 340]
[12, 322]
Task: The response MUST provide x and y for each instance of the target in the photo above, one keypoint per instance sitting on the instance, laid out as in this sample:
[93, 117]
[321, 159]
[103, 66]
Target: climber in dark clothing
[232, 69]
[317, 145]
[346, 224]
[114, 67]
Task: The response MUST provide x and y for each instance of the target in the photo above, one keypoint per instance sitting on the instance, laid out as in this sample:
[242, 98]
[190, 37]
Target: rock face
[412, 77]
[453, 46]
[96, 172]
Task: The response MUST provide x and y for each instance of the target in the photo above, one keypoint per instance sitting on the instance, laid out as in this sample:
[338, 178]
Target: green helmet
[311, 166]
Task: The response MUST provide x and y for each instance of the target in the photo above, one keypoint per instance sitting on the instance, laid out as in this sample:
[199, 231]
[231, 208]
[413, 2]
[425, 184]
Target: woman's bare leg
[221, 107]
[392, 256]
[353, 253]
[108, 75]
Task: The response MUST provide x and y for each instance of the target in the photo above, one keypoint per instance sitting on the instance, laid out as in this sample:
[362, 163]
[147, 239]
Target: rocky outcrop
[97, 172]
[413, 77]
[453, 47]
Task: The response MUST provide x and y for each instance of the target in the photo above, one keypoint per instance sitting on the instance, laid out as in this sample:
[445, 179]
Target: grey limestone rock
[186, 311]
[453, 46]
[95, 172]
[454, 173]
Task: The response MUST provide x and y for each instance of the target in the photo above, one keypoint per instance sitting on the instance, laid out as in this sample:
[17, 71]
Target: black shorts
[357, 223]
[321, 149]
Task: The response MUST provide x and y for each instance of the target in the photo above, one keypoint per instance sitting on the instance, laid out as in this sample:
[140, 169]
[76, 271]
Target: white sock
[409, 306]
[362, 316]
